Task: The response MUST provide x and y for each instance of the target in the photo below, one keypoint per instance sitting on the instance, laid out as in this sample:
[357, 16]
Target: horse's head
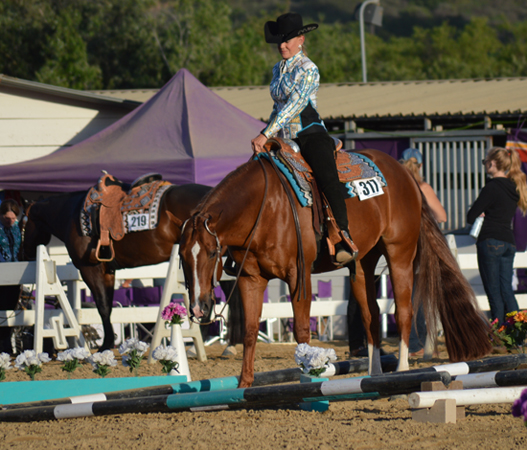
[200, 252]
[33, 235]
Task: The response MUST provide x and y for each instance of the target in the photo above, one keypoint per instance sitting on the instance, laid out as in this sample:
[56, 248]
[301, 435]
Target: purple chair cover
[324, 289]
[121, 297]
[147, 296]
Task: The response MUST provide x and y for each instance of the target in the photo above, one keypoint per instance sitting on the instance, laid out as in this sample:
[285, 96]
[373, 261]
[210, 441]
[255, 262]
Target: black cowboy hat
[287, 26]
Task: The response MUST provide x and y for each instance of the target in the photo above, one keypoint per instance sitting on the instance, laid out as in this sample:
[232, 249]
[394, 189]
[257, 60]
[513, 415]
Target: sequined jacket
[7, 252]
[294, 90]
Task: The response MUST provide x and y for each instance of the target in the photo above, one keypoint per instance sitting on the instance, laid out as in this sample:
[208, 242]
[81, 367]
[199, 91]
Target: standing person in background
[496, 247]
[10, 240]
[294, 90]
[413, 161]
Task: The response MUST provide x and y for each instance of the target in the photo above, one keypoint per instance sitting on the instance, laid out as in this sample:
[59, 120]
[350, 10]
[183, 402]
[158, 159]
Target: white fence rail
[65, 322]
[60, 323]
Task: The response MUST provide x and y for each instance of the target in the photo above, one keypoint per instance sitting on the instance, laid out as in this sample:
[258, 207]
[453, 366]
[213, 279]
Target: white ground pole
[466, 397]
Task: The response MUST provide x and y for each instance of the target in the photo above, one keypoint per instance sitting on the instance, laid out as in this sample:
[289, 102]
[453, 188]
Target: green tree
[193, 34]
[336, 51]
[248, 59]
[513, 57]
[23, 28]
[121, 40]
[68, 64]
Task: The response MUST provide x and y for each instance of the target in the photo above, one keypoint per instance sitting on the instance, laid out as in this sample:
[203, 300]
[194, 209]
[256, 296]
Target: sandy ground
[364, 424]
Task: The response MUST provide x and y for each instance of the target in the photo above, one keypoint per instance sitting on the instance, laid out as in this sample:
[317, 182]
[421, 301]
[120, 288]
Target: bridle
[301, 280]
[215, 280]
[218, 253]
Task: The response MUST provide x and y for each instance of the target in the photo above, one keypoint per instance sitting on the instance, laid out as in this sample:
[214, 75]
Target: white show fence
[62, 323]
[48, 277]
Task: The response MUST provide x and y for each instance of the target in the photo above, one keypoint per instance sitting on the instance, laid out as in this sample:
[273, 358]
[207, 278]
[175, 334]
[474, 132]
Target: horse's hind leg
[402, 276]
[365, 293]
[101, 285]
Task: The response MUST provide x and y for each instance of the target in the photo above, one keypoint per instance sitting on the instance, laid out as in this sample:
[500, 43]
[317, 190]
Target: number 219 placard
[368, 188]
[137, 222]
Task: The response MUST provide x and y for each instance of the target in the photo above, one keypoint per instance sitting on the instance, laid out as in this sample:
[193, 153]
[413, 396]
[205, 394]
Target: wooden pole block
[443, 411]
[439, 386]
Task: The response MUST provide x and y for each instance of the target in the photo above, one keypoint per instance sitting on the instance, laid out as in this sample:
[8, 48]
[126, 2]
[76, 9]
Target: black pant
[318, 151]
[356, 333]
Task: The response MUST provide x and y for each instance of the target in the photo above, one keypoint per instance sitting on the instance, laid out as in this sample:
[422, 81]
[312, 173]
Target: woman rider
[294, 90]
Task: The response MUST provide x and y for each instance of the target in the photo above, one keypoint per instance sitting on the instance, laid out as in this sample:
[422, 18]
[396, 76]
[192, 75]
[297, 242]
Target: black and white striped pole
[386, 385]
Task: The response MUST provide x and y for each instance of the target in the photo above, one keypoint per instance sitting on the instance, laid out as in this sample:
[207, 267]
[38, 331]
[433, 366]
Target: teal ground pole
[31, 391]
[319, 405]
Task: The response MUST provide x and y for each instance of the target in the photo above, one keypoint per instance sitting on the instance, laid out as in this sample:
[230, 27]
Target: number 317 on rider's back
[368, 188]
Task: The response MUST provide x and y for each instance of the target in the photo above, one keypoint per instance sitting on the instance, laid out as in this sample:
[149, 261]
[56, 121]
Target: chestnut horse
[59, 216]
[249, 212]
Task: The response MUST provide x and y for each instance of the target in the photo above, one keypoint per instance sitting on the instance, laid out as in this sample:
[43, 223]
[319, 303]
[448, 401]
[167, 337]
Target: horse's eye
[213, 254]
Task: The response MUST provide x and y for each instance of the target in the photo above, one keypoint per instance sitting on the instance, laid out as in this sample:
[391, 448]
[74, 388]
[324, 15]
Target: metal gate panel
[452, 166]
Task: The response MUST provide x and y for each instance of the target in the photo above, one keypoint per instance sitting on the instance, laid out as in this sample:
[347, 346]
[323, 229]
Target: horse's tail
[442, 289]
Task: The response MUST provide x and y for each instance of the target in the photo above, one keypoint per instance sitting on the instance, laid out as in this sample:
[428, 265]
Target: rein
[301, 280]
[218, 246]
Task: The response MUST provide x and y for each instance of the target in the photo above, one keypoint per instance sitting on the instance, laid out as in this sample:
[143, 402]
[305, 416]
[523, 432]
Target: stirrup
[346, 257]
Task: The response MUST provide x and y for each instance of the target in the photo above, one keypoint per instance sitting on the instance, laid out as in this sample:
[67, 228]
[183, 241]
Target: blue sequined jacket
[294, 90]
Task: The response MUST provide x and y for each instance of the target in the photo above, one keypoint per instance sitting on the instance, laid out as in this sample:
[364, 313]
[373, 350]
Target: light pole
[374, 16]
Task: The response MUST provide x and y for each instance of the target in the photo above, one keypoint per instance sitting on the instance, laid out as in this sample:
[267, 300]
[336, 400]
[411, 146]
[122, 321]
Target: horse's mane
[222, 189]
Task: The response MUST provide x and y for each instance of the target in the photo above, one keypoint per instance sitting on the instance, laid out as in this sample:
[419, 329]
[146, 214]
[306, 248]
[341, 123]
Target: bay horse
[249, 212]
[59, 216]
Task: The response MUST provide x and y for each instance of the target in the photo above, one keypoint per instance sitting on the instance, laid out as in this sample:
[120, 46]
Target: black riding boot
[318, 151]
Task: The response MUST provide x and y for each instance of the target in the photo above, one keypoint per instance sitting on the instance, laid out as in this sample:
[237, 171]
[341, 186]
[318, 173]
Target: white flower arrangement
[5, 364]
[168, 357]
[133, 351]
[31, 363]
[102, 362]
[72, 358]
[314, 360]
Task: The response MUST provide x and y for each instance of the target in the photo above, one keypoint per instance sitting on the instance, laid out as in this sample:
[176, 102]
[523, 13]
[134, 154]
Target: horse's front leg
[252, 291]
[301, 303]
[101, 285]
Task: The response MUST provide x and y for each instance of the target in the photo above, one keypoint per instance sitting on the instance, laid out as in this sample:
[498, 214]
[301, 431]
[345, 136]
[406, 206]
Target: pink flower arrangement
[173, 314]
[519, 407]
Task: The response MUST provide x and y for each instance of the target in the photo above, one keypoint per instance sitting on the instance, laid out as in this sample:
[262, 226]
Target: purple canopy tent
[185, 132]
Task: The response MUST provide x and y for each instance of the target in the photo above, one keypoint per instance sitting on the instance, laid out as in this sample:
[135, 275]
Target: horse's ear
[174, 219]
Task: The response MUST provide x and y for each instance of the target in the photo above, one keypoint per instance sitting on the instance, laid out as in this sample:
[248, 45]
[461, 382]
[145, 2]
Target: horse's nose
[197, 312]
[206, 309]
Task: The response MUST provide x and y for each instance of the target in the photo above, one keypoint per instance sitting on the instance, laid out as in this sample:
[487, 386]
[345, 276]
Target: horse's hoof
[230, 350]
